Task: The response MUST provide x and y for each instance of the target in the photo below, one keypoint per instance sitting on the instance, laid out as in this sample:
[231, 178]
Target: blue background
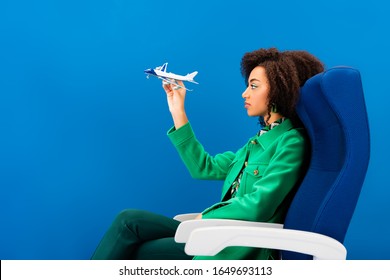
[83, 133]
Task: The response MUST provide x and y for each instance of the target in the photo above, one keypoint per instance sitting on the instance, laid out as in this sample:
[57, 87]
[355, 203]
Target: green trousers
[140, 235]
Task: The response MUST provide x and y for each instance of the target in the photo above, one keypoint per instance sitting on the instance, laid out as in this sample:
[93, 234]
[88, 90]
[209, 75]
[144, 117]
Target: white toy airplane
[170, 78]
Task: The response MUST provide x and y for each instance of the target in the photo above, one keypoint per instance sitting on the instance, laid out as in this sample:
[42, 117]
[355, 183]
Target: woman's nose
[245, 94]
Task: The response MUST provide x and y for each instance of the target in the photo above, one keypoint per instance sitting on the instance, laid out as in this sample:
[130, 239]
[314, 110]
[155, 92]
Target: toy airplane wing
[172, 82]
[163, 67]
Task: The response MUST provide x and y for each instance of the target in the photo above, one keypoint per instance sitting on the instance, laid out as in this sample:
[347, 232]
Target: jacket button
[253, 142]
[256, 172]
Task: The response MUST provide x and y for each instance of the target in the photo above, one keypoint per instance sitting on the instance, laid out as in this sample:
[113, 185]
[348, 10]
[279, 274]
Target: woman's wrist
[179, 119]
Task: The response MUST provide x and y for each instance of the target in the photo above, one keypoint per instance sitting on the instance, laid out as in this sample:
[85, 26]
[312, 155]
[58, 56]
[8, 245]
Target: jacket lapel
[265, 141]
[268, 138]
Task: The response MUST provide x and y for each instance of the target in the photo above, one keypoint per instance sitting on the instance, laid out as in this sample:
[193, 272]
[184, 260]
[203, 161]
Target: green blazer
[276, 162]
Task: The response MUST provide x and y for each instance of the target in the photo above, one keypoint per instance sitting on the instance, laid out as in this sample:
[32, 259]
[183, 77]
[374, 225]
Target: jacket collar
[266, 139]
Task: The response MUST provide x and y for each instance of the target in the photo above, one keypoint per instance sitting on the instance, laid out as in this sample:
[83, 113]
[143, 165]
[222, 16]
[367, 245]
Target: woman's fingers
[170, 88]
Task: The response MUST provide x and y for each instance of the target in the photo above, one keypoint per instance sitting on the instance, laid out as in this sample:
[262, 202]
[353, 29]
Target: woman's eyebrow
[254, 79]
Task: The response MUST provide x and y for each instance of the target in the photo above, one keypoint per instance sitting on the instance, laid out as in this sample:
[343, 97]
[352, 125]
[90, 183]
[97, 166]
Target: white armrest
[185, 217]
[185, 228]
[209, 241]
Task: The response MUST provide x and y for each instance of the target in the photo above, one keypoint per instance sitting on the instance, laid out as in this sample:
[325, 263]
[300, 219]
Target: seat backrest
[333, 110]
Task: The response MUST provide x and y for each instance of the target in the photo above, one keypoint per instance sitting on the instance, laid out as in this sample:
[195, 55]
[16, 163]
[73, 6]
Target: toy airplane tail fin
[191, 77]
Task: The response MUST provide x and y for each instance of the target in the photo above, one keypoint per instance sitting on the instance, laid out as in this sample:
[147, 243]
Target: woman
[259, 179]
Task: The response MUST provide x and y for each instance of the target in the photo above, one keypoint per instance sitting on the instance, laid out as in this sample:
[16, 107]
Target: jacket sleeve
[199, 163]
[269, 191]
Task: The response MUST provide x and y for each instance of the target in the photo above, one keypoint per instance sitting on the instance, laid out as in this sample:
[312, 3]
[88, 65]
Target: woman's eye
[253, 86]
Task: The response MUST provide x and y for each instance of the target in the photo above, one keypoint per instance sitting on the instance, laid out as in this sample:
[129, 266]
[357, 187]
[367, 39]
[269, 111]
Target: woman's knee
[128, 216]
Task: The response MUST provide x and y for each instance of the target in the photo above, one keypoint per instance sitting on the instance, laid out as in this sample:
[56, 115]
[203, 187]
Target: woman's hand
[199, 217]
[175, 98]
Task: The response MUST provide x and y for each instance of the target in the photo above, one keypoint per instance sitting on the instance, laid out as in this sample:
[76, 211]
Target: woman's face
[256, 94]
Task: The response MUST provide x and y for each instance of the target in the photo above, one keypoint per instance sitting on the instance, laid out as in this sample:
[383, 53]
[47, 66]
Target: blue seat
[332, 108]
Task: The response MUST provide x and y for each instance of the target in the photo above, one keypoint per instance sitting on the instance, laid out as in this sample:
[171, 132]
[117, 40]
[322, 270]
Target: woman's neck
[274, 117]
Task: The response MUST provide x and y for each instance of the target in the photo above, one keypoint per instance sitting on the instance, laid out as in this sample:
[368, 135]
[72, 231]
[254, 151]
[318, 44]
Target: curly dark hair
[307, 65]
[286, 72]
